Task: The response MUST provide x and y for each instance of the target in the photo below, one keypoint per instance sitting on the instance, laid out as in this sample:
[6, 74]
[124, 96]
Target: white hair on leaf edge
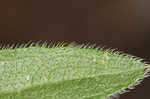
[116, 96]
[52, 44]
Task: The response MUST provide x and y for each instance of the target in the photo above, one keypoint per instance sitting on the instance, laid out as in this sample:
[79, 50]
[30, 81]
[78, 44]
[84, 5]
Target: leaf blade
[68, 71]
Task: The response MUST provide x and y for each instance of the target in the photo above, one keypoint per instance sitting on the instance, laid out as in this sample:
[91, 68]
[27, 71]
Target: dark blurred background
[122, 24]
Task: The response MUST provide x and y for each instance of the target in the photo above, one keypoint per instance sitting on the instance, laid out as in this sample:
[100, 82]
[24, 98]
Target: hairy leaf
[66, 73]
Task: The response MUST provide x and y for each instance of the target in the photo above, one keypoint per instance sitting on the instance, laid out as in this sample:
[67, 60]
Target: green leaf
[66, 73]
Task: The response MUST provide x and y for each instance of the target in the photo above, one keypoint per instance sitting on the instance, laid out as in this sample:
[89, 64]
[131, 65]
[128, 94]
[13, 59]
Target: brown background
[123, 24]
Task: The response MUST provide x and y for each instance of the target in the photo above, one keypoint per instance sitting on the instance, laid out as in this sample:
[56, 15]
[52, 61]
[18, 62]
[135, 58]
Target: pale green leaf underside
[65, 73]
